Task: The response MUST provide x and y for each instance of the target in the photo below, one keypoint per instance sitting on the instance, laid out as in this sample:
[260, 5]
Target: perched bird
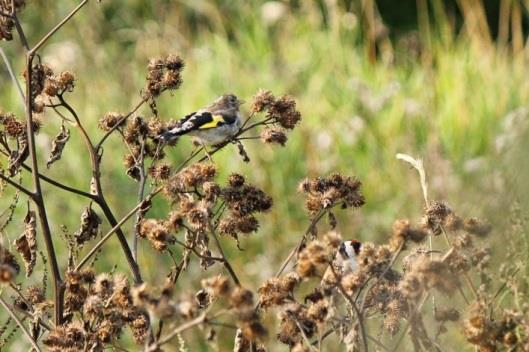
[211, 125]
[345, 262]
[349, 251]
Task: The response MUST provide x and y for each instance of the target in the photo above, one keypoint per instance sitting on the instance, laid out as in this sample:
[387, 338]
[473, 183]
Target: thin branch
[313, 223]
[188, 325]
[141, 194]
[19, 323]
[38, 198]
[352, 303]
[62, 186]
[107, 236]
[13, 76]
[17, 186]
[56, 28]
[224, 259]
[109, 132]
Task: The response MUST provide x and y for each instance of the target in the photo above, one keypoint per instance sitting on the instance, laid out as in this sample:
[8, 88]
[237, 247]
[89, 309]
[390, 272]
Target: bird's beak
[240, 101]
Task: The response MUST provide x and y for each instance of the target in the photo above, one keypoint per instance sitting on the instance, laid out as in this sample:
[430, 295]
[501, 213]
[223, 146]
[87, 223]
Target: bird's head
[350, 249]
[227, 102]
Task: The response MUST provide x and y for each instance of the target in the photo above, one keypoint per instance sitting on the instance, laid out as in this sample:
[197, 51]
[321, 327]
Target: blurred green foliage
[448, 109]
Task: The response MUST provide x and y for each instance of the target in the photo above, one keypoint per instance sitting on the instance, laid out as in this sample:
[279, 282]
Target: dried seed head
[71, 337]
[9, 267]
[110, 120]
[217, 286]
[12, 127]
[157, 232]
[477, 227]
[314, 259]
[274, 135]
[241, 297]
[262, 101]
[324, 193]
[140, 328]
[245, 199]
[164, 74]
[191, 177]
[435, 216]
[103, 285]
[283, 111]
[160, 172]
[236, 180]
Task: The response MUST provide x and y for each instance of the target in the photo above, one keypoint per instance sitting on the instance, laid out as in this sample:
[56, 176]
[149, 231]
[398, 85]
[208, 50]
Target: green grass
[356, 115]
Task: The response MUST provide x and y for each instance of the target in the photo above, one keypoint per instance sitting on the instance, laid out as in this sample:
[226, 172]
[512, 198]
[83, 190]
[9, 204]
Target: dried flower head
[314, 259]
[7, 23]
[477, 227]
[12, 127]
[324, 193]
[191, 177]
[403, 231]
[217, 286]
[283, 111]
[160, 172]
[278, 291]
[262, 101]
[110, 120]
[164, 74]
[245, 199]
[273, 135]
[9, 268]
[435, 216]
[71, 337]
[157, 232]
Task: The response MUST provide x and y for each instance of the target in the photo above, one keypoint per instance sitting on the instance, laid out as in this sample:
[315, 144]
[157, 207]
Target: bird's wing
[196, 121]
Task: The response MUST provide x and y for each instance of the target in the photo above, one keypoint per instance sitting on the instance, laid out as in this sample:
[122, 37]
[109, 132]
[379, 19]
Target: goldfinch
[345, 262]
[211, 125]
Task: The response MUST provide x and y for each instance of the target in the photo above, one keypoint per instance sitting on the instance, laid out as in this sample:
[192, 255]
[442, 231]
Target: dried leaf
[418, 165]
[242, 152]
[57, 146]
[26, 244]
[332, 220]
[90, 222]
[18, 156]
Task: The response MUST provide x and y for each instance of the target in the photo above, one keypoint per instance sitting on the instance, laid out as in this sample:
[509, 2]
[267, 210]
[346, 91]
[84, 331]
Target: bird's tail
[168, 136]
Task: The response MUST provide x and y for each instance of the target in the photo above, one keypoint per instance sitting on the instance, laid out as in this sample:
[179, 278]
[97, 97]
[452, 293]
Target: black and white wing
[199, 120]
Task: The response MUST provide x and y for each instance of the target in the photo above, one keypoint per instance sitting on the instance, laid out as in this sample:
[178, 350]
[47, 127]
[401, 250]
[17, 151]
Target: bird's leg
[207, 153]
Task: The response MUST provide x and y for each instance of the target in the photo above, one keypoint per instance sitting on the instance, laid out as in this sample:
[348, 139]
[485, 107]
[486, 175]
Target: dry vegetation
[407, 289]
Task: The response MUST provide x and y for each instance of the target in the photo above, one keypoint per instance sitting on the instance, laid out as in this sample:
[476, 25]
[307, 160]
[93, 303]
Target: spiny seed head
[217, 286]
[283, 111]
[236, 180]
[111, 119]
[164, 74]
[272, 135]
[160, 172]
[477, 227]
[262, 101]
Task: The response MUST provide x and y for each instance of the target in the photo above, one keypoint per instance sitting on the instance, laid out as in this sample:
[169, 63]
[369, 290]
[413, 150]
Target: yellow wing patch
[217, 119]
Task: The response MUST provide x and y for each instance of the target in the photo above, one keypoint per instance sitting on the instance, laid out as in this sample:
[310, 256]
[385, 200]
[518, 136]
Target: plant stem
[224, 259]
[39, 200]
[17, 186]
[34, 50]
[20, 324]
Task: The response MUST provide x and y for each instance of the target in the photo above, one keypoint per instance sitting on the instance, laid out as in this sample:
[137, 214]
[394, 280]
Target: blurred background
[446, 81]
